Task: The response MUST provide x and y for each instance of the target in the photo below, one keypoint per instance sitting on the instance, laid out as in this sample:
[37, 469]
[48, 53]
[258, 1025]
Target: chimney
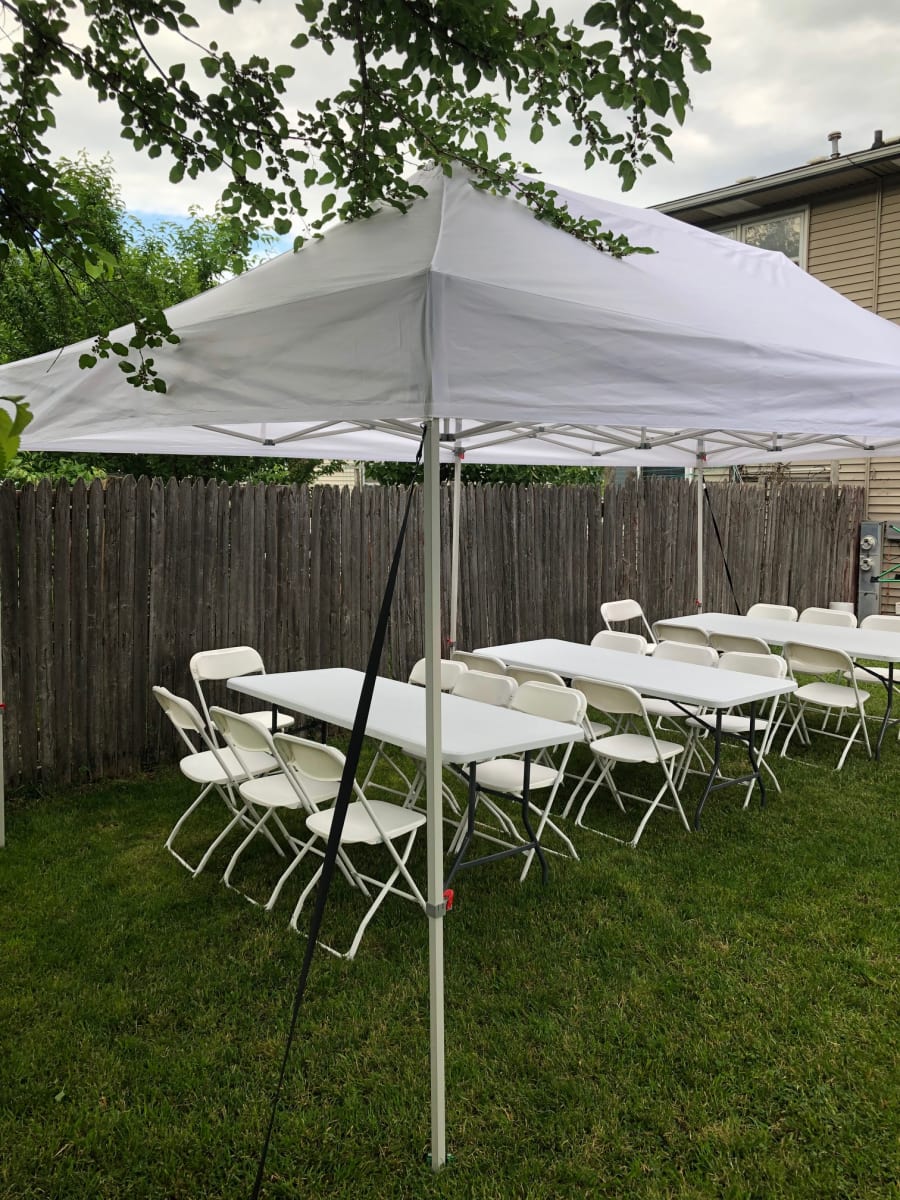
[878, 140]
[834, 138]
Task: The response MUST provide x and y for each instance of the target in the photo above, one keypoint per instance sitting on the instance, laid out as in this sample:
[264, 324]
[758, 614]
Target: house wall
[854, 247]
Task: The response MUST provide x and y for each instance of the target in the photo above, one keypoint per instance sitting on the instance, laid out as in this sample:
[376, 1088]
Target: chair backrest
[625, 643]
[828, 616]
[485, 687]
[666, 631]
[451, 670]
[222, 664]
[881, 623]
[240, 733]
[773, 612]
[771, 665]
[814, 660]
[304, 761]
[613, 612]
[534, 675]
[180, 712]
[550, 700]
[187, 720]
[613, 698]
[480, 662]
[700, 656]
[226, 663]
[741, 643]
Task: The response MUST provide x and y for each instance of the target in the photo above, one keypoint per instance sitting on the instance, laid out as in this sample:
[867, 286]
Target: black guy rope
[341, 805]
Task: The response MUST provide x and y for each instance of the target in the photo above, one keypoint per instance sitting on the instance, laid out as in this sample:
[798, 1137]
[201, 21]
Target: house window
[781, 231]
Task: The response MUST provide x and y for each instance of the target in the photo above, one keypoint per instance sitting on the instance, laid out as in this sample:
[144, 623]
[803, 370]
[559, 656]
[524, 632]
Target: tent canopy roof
[533, 345]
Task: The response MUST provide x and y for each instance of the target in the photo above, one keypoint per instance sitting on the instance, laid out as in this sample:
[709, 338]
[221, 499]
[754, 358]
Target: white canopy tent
[512, 342]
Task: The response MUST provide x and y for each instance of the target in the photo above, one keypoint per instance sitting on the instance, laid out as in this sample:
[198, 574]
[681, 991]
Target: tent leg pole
[698, 475]
[454, 556]
[434, 828]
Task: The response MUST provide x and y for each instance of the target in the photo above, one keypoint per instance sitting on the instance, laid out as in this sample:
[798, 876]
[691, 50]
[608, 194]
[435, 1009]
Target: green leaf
[210, 66]
[11, 427]
[85, 361]
[536, 133]
[627, 174]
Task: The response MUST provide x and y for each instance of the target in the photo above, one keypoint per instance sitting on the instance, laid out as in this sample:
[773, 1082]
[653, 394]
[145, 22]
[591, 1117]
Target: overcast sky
[785, 73]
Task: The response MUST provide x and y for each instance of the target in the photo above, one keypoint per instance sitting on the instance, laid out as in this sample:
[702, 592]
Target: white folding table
[682, 683]
[857, 643]
[471, 732]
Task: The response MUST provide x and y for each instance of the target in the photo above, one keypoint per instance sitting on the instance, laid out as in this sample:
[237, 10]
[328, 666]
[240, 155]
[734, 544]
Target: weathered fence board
[110, 587]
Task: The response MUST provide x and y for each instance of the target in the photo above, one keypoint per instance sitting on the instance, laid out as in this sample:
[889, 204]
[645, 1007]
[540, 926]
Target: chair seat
[275, 791]
[507, 774]
[832, 695]
[264, 717]
[597, 728]
[665, 708]
[204, 767]
[873, 675]
[635, 748]
[359, 826]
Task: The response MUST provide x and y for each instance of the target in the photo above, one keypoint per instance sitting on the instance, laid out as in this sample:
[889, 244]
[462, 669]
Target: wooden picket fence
[110, 587]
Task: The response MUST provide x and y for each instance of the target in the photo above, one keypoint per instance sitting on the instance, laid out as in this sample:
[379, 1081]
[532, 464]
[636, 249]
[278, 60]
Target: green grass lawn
[709, 1015]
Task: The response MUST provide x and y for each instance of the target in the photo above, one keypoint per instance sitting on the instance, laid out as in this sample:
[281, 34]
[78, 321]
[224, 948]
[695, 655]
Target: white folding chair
[738, 643]
[616, 612]
[624, 643]
[828, 616]
[308, 783]
[535, 675]
[216, 768]
[451, 672]
[485, 687]
[875, 674]
[825, 696]
[772, 612]
[480, 662]
[685, 652]
[631, 748]
[771, 666]
[372, 823]
[668, 631]
[506, 776]
[227, 663]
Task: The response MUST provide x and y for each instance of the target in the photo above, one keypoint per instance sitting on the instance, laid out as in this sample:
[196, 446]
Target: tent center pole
[434, 797]
[698, 475]
[454, 556]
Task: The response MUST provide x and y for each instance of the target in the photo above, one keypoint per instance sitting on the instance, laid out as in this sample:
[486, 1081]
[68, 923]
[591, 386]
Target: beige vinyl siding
[841, 248]
[889, 255]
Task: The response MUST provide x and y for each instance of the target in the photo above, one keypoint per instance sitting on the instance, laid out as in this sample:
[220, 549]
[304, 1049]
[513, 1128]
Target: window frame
[801, 211]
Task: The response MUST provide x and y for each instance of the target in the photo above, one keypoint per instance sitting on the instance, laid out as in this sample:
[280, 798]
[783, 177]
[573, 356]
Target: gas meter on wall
[868, 587]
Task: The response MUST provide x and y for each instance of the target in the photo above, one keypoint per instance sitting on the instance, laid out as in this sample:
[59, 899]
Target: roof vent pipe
[834, 138]
[878, 140]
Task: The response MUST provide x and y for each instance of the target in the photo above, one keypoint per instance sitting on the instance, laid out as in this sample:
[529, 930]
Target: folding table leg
[713, 770]
[889, 685]
[754, 761]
